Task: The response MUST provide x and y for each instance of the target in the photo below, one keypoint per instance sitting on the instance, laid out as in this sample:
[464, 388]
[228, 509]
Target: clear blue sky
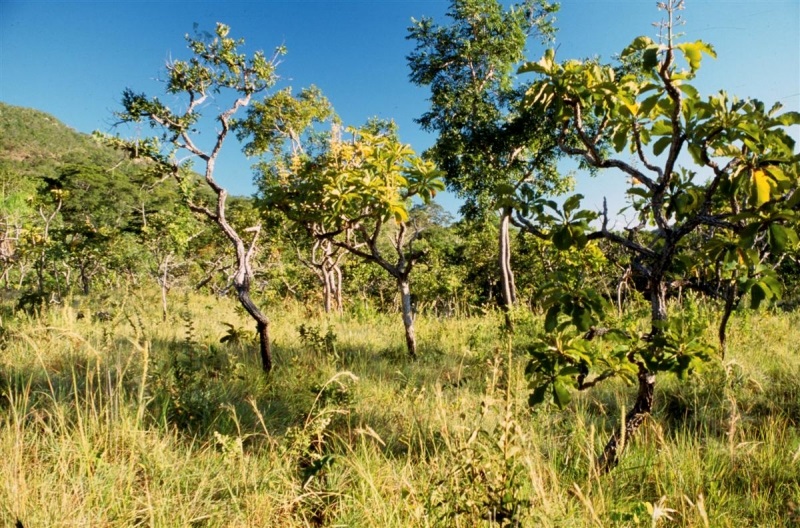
[73, 59]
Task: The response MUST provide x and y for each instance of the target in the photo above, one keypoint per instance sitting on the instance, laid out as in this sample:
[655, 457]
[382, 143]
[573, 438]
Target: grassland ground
[125, 420]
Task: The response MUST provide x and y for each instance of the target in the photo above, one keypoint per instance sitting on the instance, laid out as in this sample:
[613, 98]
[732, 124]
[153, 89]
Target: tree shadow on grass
[200, 390]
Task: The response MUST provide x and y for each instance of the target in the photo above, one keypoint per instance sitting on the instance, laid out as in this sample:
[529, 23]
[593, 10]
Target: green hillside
[36, 144]
[72, 210]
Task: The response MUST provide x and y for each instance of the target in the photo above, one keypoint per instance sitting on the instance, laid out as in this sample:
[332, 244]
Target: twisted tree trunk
[633, 419]
[262, 322]
[643, 405]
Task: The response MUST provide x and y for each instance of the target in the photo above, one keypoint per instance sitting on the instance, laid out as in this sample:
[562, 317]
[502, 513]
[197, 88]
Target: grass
[134, 422]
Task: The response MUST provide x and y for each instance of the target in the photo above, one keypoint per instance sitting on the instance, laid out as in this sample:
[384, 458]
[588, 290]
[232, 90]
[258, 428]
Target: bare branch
[640, 151]
[616, 238]
[592, 155]
[526, 225]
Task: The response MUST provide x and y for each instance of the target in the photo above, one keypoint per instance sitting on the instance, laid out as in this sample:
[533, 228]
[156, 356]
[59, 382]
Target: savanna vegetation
[172, 355]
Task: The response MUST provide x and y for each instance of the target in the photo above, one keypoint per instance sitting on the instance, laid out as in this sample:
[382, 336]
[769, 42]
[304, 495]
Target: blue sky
[73, 59]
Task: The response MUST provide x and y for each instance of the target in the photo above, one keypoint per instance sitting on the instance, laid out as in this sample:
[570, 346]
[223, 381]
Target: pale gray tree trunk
[408, 316]
[327, 289]
[163, 282]
[507, 285]
[337, 281]
[508, 288]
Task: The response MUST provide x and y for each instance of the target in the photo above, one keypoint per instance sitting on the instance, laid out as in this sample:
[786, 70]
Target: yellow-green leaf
[776, 173]
[693, 51]
[761, 190]
[399, 212]
[662, 127]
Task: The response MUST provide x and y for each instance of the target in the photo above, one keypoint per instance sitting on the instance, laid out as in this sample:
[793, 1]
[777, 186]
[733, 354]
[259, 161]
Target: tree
[719, 167]
[355, 191]
[284, 127]
[438, 277]
[316, 254]
[167, 235]
[90, 223]
[16, 214]
[217, 68]
[324, 259]
[488, 146]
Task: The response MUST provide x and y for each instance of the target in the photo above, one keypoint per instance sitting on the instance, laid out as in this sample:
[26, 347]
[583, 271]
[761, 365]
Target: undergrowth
[131, 421]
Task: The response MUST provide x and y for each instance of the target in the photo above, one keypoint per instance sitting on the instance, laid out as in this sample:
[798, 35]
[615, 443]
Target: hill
[36, 144]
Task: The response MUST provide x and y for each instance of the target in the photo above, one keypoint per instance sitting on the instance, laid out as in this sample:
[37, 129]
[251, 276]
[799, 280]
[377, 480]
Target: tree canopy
[714, 183]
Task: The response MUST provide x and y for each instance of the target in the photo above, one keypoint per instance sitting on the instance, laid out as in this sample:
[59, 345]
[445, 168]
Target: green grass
[135, 422]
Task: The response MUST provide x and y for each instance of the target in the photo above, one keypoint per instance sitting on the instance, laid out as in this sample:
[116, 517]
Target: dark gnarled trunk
[633, 419]
[647, 382]
[265, 350]
[262, 324]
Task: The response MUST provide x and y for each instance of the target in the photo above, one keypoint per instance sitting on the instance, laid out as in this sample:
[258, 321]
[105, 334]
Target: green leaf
[779, 237]
[648, 104]
[551, 319]
[650, 58]
[582, 318]
[662, 127]
[538, 395]
[399, 212]
[696, 153]
[689, 90]
[504, 189]
[562, 238]
[572, 203]
[789, 118]
[775, 287]
[543, 66]
[639, 43]
[776, 173]
[561, 394]
[640, 192]
[620, 138]
[661, 144]
[751, 129]
[569, 371]
[758, 293]
[647, 47]
[727, 149]
[585, 215]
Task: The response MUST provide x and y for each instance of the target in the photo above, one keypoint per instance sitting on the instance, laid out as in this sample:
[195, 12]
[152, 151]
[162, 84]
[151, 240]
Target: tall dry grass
[133, 422]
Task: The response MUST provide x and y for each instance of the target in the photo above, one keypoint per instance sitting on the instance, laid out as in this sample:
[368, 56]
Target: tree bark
[84, 278]
[327, 288]
[163, 282]
[730, 302]
[408, 316]
[337, 281]
[658, 302]
[633, 419]
[507, 286]
[647, 381]
[262, 323]
[242, 279]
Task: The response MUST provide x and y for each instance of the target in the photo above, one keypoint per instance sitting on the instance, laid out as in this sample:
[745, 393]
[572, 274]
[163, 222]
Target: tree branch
[616, 238]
